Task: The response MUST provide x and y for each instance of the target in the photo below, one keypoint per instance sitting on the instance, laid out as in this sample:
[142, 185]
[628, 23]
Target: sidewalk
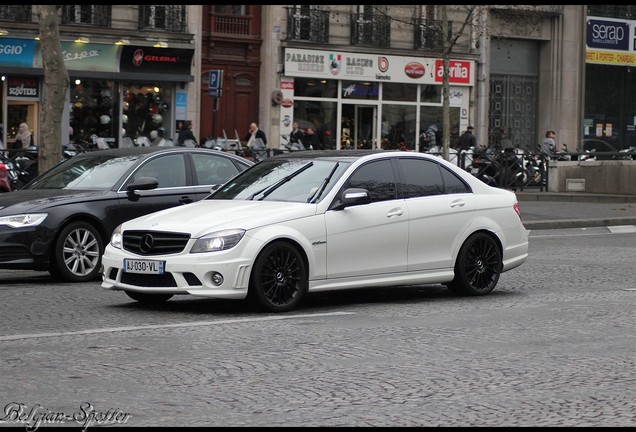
[549, 210]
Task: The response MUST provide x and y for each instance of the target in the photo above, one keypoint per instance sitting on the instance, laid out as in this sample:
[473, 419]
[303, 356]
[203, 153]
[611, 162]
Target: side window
[420, 178]
[169, 170]
[377, 177]
[212, 169]
[452, 183]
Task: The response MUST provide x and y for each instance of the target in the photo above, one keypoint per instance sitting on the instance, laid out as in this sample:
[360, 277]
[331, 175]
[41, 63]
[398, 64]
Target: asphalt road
[553, 345]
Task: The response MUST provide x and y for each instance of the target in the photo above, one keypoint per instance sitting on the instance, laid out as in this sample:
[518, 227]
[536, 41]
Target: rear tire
[478, 266]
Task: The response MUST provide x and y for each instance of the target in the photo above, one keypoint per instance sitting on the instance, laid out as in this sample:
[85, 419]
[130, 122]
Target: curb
[579, 223]
[575, 197]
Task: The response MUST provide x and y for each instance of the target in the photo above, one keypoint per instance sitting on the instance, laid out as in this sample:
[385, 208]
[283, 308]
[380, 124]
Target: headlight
[115, 239]
[218, 241]
[23, 220]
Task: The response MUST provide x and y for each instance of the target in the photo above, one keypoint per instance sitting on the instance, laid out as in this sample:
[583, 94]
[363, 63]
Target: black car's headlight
[23, 220]
[218, 241]
[115, 239]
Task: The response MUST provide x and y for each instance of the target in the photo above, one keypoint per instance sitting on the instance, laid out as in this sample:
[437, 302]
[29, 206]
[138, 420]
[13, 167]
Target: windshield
[96, 172]
[291, 180]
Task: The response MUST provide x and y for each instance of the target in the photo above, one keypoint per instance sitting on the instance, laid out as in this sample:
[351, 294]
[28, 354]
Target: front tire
[478, 266]
[279, 278]
[77, 253]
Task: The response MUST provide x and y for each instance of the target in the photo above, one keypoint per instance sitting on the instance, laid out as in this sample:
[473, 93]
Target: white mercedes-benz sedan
[312, 221]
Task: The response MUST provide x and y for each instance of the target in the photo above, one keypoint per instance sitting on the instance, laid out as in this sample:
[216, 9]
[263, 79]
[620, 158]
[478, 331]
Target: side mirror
[142, 183]
[353, 197]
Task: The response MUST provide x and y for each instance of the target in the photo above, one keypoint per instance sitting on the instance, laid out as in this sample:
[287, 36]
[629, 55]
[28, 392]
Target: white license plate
[143, 266]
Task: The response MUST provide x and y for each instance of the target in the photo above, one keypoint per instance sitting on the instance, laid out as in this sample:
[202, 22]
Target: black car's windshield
[292, 180]
[95, 172]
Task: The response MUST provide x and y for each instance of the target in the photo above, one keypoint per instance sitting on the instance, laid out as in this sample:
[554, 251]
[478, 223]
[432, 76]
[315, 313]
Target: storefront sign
[607, 34]
[17, 52]
[610, 41]
[373, 67]
[23, 87]
[155, 60]
[86, 57]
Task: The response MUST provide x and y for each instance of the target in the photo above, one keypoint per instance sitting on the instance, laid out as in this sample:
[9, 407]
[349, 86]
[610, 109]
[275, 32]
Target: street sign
[216, 79]
[214, 92]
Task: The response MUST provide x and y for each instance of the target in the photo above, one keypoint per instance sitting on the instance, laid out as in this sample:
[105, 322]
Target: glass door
[358, 126]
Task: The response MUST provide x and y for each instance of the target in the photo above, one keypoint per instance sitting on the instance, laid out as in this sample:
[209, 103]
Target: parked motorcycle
[504, 169]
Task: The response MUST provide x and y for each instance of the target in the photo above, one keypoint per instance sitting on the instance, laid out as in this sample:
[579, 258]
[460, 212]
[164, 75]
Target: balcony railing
[171, 18]
[373, 30]
[429, 34]
[311, 27]
[93, 15]
[20, 13]
[230, 24]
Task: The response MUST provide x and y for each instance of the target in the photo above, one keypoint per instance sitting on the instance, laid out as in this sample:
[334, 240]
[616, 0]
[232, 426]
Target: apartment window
[231, 20]
[21, 13]
[307, 23]
[371, 26]
[164, 17]
[95, 15]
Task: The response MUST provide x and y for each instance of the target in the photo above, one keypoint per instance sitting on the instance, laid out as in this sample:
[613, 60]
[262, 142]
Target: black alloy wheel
[478, 266]
[279, 278]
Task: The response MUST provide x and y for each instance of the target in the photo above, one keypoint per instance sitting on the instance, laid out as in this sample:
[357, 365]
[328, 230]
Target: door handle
[458, 203]
[395, 212]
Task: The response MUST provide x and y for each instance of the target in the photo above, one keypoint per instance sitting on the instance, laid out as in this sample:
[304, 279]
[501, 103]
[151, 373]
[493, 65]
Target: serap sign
[459, 71]
[605, 34]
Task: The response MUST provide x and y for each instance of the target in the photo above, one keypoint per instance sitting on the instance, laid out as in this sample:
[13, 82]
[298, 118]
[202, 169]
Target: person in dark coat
[253, 133]
[186, 134]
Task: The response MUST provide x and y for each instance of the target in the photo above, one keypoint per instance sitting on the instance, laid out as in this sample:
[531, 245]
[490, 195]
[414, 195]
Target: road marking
[166, 326]
[620, 229]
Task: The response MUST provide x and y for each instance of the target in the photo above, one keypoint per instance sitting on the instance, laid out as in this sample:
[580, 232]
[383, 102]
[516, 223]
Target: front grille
[154, 242]
[151, 281]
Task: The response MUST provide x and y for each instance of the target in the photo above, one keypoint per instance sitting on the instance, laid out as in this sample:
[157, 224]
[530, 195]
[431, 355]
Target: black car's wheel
[478, 266]
[148, 298]
[279, 278]
[77, 253]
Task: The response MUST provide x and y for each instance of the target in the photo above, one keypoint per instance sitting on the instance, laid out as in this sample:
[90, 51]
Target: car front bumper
[183, 274]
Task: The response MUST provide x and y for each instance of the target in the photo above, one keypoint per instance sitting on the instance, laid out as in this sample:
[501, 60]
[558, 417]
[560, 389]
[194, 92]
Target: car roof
[341, 155]
[128, 151]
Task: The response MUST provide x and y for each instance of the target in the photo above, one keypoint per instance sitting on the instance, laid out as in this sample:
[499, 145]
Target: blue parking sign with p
[216, 79]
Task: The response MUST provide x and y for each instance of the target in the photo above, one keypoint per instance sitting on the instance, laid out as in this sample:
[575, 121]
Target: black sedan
[60, 221]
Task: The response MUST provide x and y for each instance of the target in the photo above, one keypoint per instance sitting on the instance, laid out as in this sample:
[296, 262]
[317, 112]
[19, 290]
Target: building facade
[362, 76]
[130, 68]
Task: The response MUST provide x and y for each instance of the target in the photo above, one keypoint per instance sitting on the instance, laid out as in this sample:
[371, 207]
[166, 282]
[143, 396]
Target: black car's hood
[29, 201]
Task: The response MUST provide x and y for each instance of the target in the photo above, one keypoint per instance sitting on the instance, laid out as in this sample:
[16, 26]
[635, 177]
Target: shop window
[93, 117]
[399, 92]
[360, 90]
[398, 127]
[320, 116]
[146, 113]
[315, 87]
[431, 93]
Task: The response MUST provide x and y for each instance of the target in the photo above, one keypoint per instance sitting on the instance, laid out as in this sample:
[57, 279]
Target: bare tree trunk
[56, 82]
[446, 51]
